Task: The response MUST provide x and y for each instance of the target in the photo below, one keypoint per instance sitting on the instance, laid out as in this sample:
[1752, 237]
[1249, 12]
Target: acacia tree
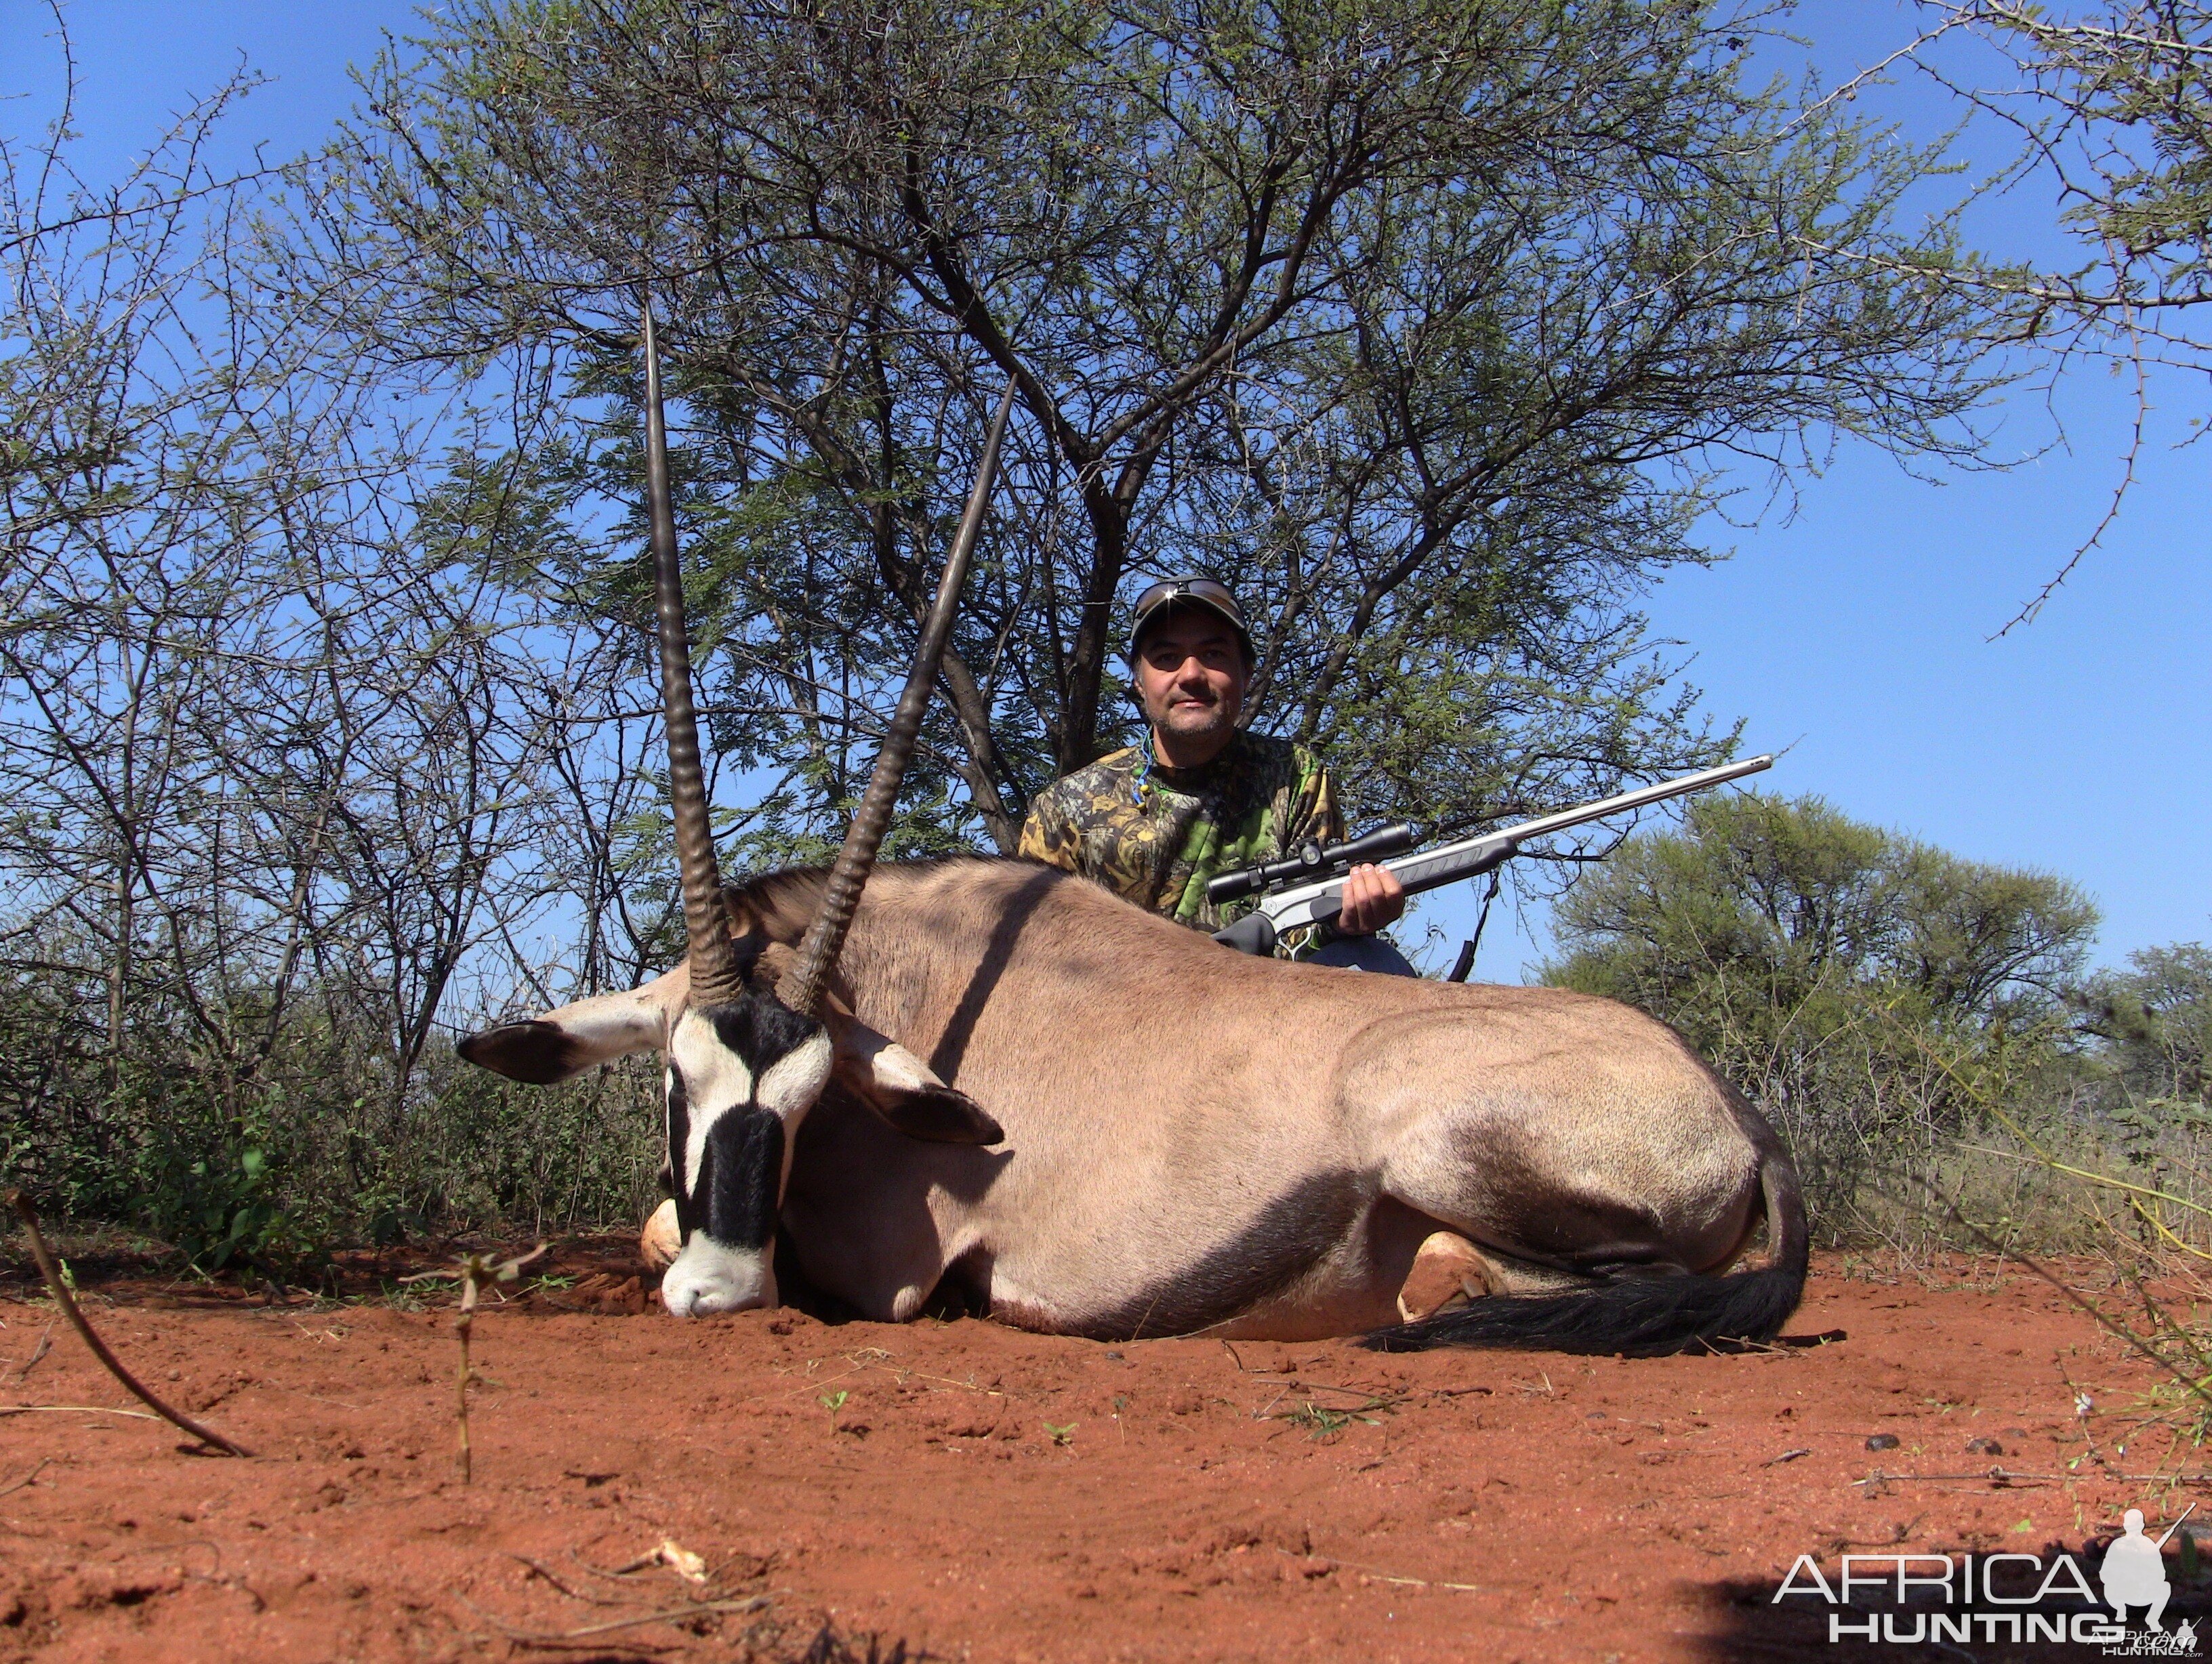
[1417, 319]
[2108, 104]
[2155, 1018]
[2112, 103]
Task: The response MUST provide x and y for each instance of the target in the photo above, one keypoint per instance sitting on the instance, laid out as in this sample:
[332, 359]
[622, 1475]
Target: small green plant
[1323, 1423]
[1061, 1436]
[226, 1218]
[833, 1402]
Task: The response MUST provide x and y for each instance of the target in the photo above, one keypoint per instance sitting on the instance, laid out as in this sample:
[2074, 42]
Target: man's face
[1191, 675]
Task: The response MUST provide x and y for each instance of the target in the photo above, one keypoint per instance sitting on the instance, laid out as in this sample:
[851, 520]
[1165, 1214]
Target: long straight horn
[715, 978]
[802, 985]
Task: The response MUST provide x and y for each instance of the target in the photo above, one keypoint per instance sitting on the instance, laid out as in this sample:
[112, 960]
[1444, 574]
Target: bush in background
[267, 1162]
[2156, 1019]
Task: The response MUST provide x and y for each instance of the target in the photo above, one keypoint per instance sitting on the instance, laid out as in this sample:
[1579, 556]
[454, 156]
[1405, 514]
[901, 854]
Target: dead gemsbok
[1124, 1129]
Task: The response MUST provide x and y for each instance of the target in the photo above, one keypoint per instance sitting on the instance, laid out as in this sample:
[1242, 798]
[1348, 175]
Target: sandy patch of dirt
[972, 1493]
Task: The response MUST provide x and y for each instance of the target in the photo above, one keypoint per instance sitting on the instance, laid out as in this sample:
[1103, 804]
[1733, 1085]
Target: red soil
[978, 1493]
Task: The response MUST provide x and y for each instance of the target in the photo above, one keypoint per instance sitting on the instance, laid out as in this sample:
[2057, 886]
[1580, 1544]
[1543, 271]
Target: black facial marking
[679, 1129]
[743, 1164]
[761, 1031]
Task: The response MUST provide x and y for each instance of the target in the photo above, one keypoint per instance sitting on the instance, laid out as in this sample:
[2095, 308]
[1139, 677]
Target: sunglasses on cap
[1210, 593]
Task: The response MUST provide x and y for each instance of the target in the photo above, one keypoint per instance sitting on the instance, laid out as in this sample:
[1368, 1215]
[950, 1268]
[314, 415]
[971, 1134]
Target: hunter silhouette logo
[2134, 1572]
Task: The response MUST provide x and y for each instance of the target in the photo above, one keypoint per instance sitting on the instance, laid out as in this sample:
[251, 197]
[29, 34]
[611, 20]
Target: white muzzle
[708, 1277]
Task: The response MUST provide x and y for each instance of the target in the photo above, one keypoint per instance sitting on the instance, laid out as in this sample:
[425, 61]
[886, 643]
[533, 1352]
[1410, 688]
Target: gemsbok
[985, 1086]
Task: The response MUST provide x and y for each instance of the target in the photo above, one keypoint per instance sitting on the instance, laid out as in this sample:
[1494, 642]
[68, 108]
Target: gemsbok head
[747, 1054]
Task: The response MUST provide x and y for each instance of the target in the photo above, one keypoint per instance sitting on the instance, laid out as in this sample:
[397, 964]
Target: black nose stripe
[740, 1173]
[743, 1176]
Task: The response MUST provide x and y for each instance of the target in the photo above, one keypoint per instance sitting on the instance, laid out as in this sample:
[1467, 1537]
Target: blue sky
[1854, 632]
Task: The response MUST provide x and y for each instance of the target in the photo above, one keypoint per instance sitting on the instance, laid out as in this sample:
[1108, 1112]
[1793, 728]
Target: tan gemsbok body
[1187, 1139]
[1196, 1139]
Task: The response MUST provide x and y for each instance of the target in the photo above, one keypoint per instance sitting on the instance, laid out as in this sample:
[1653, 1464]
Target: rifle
[2176, 1526]
[1285, 903]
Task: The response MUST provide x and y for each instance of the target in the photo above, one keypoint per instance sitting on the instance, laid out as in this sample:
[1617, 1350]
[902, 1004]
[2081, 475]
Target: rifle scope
[1312, 861]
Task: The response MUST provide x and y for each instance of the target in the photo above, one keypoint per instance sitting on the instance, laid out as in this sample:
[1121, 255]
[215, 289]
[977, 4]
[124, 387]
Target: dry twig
[137, 1389]
[473, 1270]
[45, 1345]
[11, 1489]
[1381, 1576]
[676, 1615]
[542, 1569]
[77, 1409]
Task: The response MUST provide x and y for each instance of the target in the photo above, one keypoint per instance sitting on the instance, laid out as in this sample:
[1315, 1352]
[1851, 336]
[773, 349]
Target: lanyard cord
[1141, 782]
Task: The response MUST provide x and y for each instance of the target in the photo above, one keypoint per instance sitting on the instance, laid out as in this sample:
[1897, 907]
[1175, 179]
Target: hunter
[1201, 796]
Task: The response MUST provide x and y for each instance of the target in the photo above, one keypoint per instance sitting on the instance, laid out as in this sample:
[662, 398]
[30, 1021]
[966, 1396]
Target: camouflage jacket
[1154, 836]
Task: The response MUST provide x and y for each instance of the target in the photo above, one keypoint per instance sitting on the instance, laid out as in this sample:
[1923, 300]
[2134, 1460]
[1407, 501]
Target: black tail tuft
[1640, 1317]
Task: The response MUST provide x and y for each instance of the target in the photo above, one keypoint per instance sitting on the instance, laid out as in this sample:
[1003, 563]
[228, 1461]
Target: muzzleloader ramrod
[1285, 903]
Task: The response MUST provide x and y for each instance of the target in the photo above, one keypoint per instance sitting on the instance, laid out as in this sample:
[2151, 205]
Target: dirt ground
[962, 1490]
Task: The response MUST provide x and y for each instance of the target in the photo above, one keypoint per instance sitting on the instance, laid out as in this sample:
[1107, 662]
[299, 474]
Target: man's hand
[1373, 897]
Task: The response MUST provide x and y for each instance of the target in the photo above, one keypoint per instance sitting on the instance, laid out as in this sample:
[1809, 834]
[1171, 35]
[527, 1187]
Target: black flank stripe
[1279, 1244]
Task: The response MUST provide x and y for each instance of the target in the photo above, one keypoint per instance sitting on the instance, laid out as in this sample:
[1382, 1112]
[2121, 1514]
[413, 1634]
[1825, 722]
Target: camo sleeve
[1312, 816]
[1050, 834]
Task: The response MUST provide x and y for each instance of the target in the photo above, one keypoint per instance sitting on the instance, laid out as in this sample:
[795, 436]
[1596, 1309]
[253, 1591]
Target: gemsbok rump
[1123, 1129]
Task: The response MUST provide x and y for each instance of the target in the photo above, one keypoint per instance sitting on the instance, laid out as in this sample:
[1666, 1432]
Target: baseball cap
[1209, 594]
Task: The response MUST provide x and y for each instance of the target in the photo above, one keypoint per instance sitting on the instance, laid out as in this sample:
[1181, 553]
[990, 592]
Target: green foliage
[2156, 1018]
[225, 1217]
[1764, 915]
[2123, 106]
[322, 1144]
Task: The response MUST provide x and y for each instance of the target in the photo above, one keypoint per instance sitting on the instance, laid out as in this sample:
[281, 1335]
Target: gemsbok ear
[568, 1041]
[903, 1089]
